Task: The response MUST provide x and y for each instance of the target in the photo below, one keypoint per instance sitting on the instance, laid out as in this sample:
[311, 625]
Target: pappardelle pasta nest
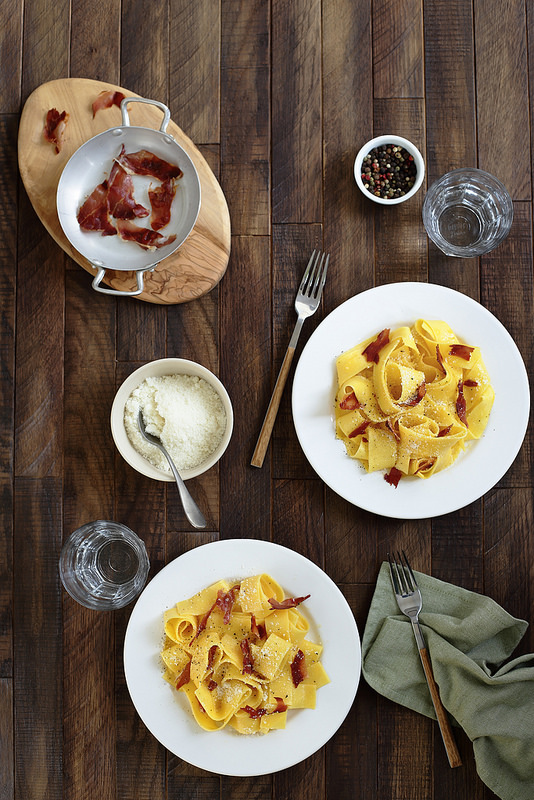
[240, 654]
[409, 400]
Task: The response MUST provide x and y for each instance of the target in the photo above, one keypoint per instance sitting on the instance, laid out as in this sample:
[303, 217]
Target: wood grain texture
[398, 49]
[296, 112]
[347, 125]
[38, 702]
[8, 254]
[11, 38]
[275, 98]
[248, 387]
[95, 40]
[449, 87]
[194, 67]
[503, 50]
[39, 378]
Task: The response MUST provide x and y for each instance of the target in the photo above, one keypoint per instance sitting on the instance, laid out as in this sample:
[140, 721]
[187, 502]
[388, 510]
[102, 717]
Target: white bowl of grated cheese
[185, 405]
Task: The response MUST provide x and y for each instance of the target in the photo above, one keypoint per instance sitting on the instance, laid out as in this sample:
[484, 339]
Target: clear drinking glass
[467, 212]
[103, 565]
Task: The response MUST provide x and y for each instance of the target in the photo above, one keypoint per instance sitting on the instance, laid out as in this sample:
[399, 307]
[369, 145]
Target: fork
[410, 602]
[306, 303]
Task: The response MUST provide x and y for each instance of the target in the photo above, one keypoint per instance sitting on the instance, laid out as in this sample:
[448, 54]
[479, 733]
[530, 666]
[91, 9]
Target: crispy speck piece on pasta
[409, 400]
[235, 649]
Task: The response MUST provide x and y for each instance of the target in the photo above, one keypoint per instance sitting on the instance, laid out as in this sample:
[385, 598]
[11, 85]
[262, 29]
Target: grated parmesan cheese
[184, 412]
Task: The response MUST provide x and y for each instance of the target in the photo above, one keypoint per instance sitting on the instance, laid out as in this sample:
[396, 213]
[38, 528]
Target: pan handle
[140, 283]
[161, 106]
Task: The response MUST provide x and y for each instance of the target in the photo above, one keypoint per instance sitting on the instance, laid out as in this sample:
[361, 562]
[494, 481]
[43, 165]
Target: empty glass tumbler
[467, 212]
[103, 565]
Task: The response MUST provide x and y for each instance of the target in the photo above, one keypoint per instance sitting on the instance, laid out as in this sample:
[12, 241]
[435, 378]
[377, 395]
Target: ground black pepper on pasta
[388, 171]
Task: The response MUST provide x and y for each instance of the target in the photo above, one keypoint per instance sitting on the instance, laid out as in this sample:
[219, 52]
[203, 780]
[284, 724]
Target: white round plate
[483, 462]
[166, 712]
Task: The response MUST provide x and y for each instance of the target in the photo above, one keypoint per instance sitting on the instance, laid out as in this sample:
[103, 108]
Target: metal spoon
[192, 511]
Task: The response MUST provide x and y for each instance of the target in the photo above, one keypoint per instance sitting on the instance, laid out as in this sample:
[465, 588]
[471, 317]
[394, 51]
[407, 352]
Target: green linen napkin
[468, 638]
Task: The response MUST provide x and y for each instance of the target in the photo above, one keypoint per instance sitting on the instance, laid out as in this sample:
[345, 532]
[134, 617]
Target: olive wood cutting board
[198, 265]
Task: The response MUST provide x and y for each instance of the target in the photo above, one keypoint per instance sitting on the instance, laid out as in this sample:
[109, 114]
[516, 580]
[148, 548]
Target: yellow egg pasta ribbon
[232, 650]
[409, 400]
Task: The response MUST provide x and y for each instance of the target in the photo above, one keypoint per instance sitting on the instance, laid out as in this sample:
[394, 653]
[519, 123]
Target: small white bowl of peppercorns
[389, 169]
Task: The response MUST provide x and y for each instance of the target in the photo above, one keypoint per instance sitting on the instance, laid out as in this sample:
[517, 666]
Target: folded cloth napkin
[468, 638]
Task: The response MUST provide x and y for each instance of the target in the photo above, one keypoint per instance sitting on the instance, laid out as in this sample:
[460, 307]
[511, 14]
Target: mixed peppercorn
[388, 171]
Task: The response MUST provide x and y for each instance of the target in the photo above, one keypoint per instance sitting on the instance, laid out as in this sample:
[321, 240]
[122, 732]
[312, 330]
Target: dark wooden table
[279, 96]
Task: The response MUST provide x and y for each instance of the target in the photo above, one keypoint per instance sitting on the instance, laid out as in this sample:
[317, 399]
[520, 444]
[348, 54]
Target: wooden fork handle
[443, 720]
[268, 423]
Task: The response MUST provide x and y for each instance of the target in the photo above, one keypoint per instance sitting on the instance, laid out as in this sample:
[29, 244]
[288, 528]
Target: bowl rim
[159, 368]
[389, 139]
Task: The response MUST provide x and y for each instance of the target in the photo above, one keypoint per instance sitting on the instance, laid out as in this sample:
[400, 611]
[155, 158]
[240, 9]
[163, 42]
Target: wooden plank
[502, 50]
[299, 511]
[88, 703]
[509, 518]
[89, 391]
[141, 760]
[463, 533]
[352, 754]
[39, 347]
[7, 775]
[450, 106]
[245, 146]
[259, 788]
[37, 690]
[296, 781]
[508, 293]
[46, 43]
[8, 270]
[347, 123]
[144, 59]
[245, 295]
[350, 542]
[190, 783]
[245, 123]
[95, 40]
[141, 331]
[245, 34]
[195, 34]
[398, 64]
[11, 48]
[88, 636]
[403, 731]
[6, 576]
[450, 87]
[296, 111]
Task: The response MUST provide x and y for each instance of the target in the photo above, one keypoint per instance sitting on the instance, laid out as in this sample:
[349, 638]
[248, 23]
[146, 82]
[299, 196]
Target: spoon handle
[192, 511]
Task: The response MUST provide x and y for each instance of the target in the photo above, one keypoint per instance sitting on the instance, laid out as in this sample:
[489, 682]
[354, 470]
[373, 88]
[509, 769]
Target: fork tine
[393, 571]
[405, 588]
[410, 571]
[321, 276]
[309, 271]
[315, 274]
